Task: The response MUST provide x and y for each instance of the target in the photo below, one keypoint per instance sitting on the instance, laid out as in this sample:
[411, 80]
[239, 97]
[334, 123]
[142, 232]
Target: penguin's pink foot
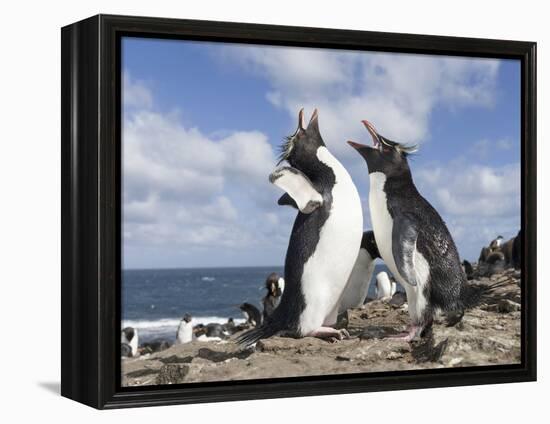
[330, 334]
[408, 335]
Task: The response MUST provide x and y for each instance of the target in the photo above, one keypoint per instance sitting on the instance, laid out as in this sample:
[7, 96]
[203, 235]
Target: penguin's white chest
[326, 272]
[382, 222]
[359, 281]
[185, 333]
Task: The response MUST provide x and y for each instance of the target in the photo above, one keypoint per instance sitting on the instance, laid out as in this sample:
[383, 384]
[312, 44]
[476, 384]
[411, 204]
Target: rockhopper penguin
[251, 313]
[324, 241]
[412, 238]
[185, 330]
[275, 286]
[129, 336]
[385, 288]
[361, 276]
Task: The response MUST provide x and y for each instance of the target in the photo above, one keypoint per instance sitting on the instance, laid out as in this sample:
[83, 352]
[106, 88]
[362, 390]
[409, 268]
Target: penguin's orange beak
[370, 128]
[356, 146]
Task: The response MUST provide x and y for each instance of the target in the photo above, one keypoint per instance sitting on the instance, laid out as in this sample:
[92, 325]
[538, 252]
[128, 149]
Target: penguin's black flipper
[404, 236]
[252, 336]
[286, 200]
[299, 188]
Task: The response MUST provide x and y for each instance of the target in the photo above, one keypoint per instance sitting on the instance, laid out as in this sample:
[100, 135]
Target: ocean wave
[174, 322]
[208, 278]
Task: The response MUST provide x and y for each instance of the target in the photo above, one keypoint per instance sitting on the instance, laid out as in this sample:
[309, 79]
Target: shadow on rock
[174, 359]
[216, 356]
[141, 373]
[378, 332]
[425, 349]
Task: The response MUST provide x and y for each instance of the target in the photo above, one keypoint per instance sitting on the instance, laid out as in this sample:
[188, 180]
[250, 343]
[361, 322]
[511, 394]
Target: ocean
[154, 300]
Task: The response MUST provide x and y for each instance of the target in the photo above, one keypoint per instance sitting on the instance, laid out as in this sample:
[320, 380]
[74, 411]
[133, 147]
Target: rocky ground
[488, 335]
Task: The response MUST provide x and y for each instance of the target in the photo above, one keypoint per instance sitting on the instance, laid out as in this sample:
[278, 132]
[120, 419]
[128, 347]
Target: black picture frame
[91, 210]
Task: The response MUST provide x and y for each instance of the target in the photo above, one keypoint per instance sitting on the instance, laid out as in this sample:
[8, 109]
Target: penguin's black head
[300, 149]
[386, 156]
[199, 330]
[369, 244]
[129, 332]
[272, 283]
[187, 318]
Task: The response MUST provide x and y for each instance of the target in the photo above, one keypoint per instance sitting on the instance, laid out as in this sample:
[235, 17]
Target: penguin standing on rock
[385, 288]
[251, 313]
[324, 242]
[361, 276]
[275, 286]
[129, 336]
[412, 238]
[496, 243]
[185, 330]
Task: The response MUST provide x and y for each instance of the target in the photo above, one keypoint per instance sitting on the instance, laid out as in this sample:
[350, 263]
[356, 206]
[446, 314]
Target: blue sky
[202, 123]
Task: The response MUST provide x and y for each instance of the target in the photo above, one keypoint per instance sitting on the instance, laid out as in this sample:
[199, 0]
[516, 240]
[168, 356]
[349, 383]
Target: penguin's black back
[253, 313]
[445, 288]
[368, 243]
[301, 246]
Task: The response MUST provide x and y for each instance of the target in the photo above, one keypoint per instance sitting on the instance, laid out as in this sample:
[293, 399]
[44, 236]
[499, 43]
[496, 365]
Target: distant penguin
[361, 275]
[125, 350]
[210, 332]
[413, 240]
[496, 243]
[485, 252]
[516, 251]
[229, 326]
[251, 313]
[216, 330]
[507, 249]
[398, 300]
[496, 257]
[385, 288]
[275, 286]
[185, 330]
[130, 337]
[324, 242]
[468, 269]
[155, 346]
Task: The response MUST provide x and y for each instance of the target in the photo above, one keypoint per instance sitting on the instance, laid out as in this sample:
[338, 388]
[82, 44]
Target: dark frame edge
[89, 203]
[80, 339]
[529, 218]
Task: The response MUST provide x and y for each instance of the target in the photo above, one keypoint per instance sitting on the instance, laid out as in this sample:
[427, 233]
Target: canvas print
[291, 212]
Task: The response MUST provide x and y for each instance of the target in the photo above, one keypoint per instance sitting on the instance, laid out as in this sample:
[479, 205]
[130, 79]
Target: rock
[487, 335]
[174, 359]
[372, 332]
[172, 374]
[394, 355]
[398, 299]
[503, 306]
[506, 305]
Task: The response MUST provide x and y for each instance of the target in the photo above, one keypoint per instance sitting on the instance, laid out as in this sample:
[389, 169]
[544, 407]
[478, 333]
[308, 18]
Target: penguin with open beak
[324, 241]
[411, 236]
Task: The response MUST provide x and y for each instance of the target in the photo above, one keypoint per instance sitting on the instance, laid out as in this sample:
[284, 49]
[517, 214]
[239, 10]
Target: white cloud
[184, 191]
[135, 93]
[485, 148]
[187, 191]
[397, 92]
[477, 202]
